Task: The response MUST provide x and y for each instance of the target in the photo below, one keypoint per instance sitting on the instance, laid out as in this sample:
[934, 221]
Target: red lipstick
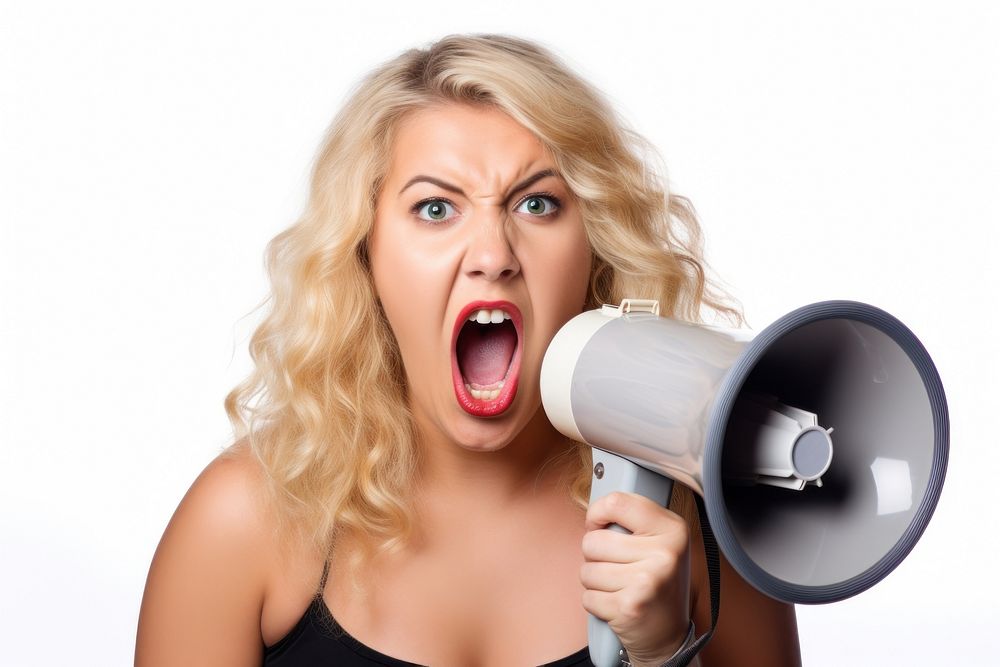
[480, 407]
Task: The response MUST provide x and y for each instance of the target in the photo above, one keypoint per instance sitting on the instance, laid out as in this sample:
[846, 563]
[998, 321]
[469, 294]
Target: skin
[218, 589]
[489, 247]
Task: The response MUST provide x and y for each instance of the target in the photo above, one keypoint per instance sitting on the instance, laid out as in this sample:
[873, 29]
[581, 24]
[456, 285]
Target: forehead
[465, 142]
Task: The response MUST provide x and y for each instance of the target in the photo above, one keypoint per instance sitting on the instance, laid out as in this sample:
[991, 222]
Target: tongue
[484, 352]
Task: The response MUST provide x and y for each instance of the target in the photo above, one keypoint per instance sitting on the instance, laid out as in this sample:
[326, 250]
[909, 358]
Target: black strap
[322, 579]
[685, 656]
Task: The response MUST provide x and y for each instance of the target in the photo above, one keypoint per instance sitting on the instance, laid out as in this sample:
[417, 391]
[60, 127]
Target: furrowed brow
[526, 183]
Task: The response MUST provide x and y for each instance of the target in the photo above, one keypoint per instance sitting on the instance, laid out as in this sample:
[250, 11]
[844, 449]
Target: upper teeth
[487, 316]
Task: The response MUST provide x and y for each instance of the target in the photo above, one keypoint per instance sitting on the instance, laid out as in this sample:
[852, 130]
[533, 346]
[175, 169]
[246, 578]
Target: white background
[147, 154]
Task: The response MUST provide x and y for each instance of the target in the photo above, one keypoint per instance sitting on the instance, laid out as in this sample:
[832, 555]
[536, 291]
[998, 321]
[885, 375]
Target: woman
[396, 494]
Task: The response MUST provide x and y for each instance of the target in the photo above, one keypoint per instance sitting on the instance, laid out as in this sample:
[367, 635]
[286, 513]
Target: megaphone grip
[614, 473]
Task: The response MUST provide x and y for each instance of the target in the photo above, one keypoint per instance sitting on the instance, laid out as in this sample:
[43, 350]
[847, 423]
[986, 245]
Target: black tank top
[317, 639]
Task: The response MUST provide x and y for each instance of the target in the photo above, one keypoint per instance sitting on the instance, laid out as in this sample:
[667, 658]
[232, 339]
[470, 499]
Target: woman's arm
[204, 592]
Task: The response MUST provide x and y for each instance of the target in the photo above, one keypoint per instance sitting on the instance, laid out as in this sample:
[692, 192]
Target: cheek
[583, 262]
[391, 274]
[412, 275]
[411, 281]
[564, 281]
[573, 271]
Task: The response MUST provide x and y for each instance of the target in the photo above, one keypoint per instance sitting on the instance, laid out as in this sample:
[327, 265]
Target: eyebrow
[530, 180]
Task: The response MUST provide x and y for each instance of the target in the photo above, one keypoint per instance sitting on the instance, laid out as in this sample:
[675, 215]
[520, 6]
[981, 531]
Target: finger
[635, 513]
[601, 604]
[608, 577]
[613, 547]
[625, 606]
[615, 607]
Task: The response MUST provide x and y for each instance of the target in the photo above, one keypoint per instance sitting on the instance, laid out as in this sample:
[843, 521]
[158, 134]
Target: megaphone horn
[819, 446]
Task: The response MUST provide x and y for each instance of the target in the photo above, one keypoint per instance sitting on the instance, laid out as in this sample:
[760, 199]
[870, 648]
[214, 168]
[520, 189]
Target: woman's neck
[538, 461]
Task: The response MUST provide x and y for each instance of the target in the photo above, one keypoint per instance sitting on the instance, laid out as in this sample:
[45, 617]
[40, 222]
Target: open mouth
[486, 356]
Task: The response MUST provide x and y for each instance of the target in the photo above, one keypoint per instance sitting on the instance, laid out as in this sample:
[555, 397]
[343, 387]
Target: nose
[490, 254]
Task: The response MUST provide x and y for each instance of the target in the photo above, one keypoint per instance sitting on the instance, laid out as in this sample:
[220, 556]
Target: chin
[487, 433]
[492, 433]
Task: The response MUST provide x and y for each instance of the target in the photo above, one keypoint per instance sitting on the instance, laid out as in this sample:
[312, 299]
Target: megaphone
[819, 446]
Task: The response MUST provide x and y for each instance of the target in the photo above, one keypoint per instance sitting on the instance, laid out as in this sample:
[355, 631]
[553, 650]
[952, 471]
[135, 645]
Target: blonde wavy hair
[324, 411]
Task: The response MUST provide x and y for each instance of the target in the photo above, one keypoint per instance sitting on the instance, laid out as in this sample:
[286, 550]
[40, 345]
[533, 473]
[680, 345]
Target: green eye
[539, 206]
[436, 210]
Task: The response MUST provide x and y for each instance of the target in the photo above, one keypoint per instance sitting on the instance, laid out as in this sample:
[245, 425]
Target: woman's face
[479, 255]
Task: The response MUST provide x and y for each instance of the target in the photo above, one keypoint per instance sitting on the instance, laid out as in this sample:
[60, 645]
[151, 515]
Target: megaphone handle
[614, 473]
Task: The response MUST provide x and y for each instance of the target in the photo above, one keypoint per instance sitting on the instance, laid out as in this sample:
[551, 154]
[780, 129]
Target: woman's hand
[638, 583]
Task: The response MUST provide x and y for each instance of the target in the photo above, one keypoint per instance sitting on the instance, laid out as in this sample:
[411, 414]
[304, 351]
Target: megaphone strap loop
[690, 648]
[672, 662]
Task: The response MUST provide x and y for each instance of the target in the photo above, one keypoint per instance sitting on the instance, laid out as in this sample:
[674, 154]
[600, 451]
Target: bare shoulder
[206, 584]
